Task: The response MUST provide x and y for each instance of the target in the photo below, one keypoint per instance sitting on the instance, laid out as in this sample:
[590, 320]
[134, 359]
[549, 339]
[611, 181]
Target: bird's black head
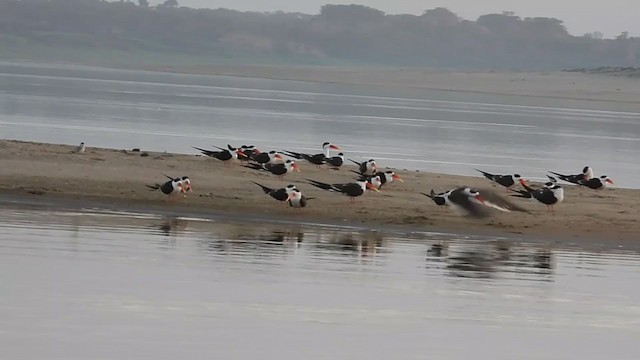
[326, 143]
[517, 176]
[340, 154]
[585, 169]
[603, 177]
[272, 152]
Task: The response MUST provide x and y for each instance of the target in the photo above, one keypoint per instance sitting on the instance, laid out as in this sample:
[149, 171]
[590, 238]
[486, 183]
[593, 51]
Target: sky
[580, 16]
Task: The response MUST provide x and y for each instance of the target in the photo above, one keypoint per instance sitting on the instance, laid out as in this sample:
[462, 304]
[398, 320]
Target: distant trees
[355, 33]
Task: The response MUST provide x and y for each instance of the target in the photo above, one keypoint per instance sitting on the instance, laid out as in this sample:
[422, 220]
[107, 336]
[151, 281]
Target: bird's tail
[153, 187]
[321, 185]
[293, 154]
[521, 194]
[486, 174]
[264, 188]
[430, 196]
[355, 162]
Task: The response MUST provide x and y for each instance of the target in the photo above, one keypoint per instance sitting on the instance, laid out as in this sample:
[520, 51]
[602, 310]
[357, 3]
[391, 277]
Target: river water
[450, 132]
[79, 283]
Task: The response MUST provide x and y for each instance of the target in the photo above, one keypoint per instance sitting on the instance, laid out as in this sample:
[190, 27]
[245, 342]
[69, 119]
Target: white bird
[80, 148]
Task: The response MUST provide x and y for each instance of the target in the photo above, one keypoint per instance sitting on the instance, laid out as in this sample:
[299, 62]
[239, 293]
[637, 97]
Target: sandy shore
[565, 85]
[118, 178]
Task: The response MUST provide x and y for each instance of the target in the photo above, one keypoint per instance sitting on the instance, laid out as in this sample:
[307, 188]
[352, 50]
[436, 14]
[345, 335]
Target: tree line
[339, 33]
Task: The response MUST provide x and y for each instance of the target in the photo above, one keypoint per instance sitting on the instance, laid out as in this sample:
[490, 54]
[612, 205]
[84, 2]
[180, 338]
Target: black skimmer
[79, 149]
[440, 199]
[171, 187]
[186, 182]
[276, 169]
[368, 167]
[386, 177]
[271, 157]
[505, 180]
[317, 159]
[473, 202]
[587, 174]
[549, 196]
[335, 161]
[223, 155]
[297, 200]
[352, 190]
[596, 183]
[282, 194]
[526, 194]
[247, 150]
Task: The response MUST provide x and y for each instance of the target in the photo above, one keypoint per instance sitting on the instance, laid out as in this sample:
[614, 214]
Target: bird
[223, 155]
[271, 157]
[352, 190]
[549, 196]
[247, 150]
[386, 177]
[317, 159]
[80, 148]
[276, 169]
[297, 200]
[504, 180]
[596, 183]
[368, 167]
[335, 161]
[186, 182]
[440, 199]
[282, 194]
[526, 194]
[587, 174]
[171, 187]
[473, 202]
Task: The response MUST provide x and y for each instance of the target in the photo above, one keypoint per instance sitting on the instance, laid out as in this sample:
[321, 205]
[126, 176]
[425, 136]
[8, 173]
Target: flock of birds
[464, 200]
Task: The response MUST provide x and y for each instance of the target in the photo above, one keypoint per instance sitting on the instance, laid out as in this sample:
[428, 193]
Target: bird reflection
[171, 226]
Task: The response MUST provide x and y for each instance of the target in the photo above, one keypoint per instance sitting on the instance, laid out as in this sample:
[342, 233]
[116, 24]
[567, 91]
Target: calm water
[450, 132]
[89, 284]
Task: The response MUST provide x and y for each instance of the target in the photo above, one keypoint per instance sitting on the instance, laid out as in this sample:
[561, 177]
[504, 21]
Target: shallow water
[450, 132]
[102, 284]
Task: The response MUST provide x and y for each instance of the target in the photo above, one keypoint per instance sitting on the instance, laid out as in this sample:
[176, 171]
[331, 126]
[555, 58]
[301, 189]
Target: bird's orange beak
[522, 182]
[371, 187]
[240, 152]
[295, 167]
[396, 177]
[333, 147]
[609, 181]
[480, 198]
[278, 156]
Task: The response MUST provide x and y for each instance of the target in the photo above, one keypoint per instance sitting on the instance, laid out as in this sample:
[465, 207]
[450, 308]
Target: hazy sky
[580, 16]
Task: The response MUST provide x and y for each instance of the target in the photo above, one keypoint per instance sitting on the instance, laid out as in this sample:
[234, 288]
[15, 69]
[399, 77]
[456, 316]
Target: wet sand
[117, 178]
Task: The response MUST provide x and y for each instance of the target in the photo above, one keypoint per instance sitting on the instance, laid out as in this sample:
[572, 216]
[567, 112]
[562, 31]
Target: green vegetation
[127, 33]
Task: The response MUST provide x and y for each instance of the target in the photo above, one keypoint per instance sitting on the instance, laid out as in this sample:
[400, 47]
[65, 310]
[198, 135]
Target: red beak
[240, 152]
[609, 181]
[278, 156]
[370, 186]
[333, 147]
[396, 177]
[295, 167]
[480, 198]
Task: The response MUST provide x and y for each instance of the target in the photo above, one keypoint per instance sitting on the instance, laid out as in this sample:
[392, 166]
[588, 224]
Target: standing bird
[335, 161]
[352, 190]
[297, 200]
[223, 155]
[596, 183]
[549, 196]
[587, 174]
[247, 150]
[186, 182]
[282, 194]
[368, 167]
[505, 180]
[386, 177]
[317, 159]
[271, 157]
[526, 194]
[79, 149]
[276, 169]
[171, 187]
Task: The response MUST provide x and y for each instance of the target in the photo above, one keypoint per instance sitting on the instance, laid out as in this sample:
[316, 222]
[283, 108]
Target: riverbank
[117, 178]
